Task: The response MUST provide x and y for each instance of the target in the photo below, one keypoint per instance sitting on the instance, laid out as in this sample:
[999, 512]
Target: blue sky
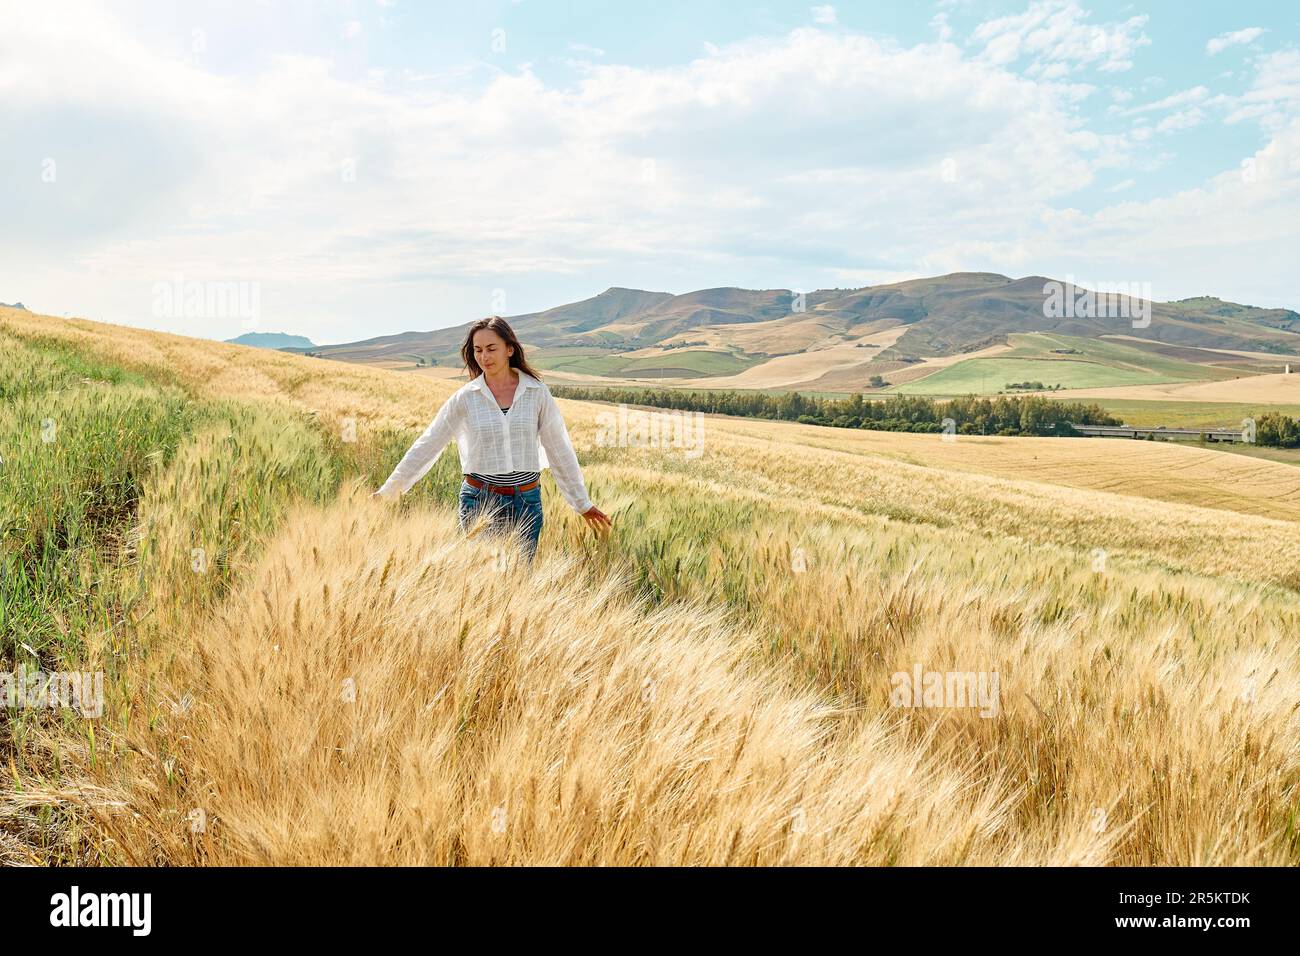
[372, 167]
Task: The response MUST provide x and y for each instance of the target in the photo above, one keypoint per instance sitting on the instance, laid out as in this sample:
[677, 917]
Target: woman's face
[491, 351]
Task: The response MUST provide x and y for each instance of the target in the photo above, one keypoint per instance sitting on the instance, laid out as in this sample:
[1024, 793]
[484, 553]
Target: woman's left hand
[597, 519]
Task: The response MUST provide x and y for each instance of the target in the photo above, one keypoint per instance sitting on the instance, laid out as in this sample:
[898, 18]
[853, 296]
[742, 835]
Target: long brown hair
[502, 328]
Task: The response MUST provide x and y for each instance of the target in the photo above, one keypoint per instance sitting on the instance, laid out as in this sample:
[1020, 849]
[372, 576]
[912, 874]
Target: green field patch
[1050, 346]
[992, 375]
[689, 362]
[555, 358]
[606, 364]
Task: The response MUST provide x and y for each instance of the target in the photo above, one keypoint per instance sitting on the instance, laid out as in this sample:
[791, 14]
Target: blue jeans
[523, 508]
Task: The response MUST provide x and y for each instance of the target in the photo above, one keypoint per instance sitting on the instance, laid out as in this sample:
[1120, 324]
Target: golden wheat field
[299, 674]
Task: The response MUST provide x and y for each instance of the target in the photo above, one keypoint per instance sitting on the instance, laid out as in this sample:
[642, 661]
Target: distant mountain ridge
[273, 340]
[940, 316]
[16, 305]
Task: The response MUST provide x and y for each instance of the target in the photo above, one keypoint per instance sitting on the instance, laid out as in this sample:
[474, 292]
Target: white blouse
[492, 443]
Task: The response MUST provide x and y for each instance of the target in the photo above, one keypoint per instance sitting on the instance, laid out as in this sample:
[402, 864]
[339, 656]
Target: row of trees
[971, 415]
[1004, 415]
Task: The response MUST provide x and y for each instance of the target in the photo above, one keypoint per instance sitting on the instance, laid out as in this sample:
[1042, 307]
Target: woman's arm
[416, 463]
[561, 456]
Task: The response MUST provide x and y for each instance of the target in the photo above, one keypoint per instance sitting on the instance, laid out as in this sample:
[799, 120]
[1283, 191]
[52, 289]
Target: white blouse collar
[525, 380]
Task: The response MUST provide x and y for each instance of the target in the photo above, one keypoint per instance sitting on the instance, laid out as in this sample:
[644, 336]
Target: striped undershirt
[513, 478]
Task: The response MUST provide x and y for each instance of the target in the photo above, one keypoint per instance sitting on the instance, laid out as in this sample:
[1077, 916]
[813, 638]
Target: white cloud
[1274, 96]
[1054, 36]
[825, 15]
[939, 24]
[1183, 119]
[543, 177]
[1183, 109]
[1237, 38]
[1235, 235]
[1194, 95]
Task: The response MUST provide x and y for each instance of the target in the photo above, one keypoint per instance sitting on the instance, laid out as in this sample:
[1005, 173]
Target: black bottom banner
[930, 906]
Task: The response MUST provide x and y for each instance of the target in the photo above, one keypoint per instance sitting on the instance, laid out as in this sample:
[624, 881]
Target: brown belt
[502, 489]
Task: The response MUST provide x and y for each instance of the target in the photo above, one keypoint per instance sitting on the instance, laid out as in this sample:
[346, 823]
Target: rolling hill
[840, 339]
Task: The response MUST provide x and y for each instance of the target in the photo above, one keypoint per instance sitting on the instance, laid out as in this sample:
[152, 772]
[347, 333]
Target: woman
[508, 427]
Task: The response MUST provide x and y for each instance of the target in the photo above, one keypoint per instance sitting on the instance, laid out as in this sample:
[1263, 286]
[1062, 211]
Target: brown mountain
[632, 333]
